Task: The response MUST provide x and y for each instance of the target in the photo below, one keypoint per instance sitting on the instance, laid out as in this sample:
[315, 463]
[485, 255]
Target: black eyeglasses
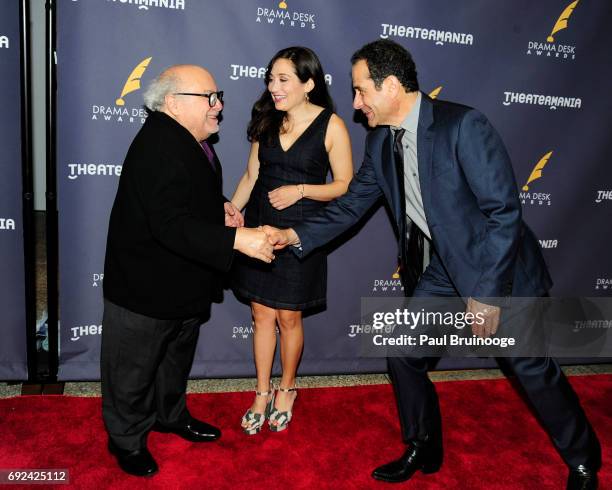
[212, 97]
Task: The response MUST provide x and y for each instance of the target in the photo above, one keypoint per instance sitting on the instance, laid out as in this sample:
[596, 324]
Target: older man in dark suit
[448, 180]
[168, 247]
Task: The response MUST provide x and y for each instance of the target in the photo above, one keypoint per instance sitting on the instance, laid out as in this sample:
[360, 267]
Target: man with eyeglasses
[170, 240]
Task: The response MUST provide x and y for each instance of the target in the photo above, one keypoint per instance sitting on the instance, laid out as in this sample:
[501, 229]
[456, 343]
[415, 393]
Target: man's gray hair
[162, 85]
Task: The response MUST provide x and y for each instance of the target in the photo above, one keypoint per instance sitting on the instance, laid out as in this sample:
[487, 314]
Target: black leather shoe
[137, 463]
[582, 478]
[194, 431]
[418, 456]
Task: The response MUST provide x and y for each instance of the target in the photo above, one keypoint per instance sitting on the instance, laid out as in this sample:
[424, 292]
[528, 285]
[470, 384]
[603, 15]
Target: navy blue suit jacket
[470, 200]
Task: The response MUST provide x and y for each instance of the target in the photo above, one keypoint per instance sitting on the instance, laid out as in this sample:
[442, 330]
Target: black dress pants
[144, 365]
[546, 387]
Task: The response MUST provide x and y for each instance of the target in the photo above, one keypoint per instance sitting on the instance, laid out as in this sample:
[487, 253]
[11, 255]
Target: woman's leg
[264, 344]
[291, 345]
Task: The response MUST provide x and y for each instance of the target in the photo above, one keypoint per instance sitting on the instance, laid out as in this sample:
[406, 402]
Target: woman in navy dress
[296, 139]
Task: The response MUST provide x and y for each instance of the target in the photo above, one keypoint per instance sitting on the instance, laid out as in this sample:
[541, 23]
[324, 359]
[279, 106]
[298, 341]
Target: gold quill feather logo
[396, 274]
[562, 20]
[435, 92]
[536, 173]
[133, 82]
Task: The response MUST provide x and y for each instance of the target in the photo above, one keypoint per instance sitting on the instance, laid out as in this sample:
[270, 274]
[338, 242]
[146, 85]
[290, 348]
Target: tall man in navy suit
[448, 180]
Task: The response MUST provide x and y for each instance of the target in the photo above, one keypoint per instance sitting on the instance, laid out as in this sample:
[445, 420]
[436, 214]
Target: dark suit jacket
[167, 244]
[470, 200]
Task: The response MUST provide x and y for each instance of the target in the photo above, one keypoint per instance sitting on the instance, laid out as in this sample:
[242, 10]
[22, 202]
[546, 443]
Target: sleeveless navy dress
[288, 282]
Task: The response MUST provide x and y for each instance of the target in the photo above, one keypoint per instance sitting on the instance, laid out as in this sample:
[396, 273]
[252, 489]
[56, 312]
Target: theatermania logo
[146, 4]
[551, 49]
[238, 72]
[7, 224]
[282, 15]
[4, 42]
[603, 196]
[527, 196]
[550, 243]
[119, 112]
[550, 101]
[363, 329]
[437, 36]
[76, 170]
[85, 331]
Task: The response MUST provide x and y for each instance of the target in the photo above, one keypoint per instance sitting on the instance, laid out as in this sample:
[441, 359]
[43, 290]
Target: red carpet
[337, 437]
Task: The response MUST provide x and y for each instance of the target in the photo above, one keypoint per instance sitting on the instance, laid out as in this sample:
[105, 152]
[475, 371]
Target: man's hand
[254, 243]
[281, 238]
[285, 196]
[486, 318]
[233, 216]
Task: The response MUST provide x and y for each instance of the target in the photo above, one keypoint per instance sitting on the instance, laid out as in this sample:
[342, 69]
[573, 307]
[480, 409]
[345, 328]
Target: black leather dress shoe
[418, 456]
[582, 478]
[194, 431]
[137, 463]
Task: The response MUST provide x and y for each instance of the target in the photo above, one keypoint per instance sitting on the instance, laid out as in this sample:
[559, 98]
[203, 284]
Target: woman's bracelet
[301, 190]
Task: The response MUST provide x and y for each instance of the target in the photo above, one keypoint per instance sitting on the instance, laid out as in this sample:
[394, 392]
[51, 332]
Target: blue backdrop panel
[13, 355]
[539, 79]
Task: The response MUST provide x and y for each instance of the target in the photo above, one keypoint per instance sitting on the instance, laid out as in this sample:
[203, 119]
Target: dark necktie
[209, 154]
[411, 249]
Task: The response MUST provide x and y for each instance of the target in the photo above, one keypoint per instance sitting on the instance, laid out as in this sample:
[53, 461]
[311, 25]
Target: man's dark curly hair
[385, 58]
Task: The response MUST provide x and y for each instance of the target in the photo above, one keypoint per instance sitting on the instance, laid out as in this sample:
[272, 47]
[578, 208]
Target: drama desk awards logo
[603, 284]
[119, 112]
[550, 49]
[242, 332]
[283, 16]
[389, 285]
[97, 279]
[435, 92]
[527, 196]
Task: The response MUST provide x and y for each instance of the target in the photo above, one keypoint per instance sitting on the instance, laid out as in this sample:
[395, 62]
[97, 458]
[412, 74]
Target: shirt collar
[411, 121]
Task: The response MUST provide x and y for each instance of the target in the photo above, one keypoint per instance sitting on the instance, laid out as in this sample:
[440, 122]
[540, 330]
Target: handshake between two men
[261, 242]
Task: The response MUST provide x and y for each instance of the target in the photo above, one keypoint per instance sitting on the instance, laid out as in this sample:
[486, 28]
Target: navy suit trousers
[544, 385]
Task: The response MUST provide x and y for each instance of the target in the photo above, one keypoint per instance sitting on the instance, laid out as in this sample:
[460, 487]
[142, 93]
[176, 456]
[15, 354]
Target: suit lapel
[425, 141]
[216, 164]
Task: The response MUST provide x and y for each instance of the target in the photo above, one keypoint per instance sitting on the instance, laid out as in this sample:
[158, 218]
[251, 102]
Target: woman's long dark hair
[266, 120]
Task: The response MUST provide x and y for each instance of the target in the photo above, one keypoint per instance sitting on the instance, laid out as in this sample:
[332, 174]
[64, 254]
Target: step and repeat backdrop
[538, 70]
[13, 356]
